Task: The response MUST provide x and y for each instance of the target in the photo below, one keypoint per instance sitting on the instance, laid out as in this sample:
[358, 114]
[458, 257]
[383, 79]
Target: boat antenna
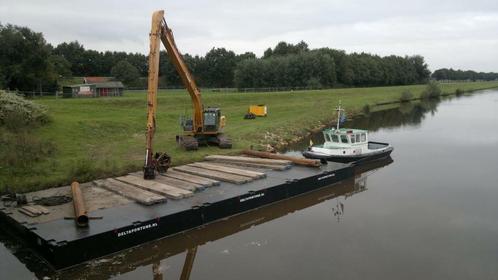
[339, 109]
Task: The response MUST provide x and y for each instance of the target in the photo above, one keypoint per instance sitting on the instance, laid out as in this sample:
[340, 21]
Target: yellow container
[258, 110]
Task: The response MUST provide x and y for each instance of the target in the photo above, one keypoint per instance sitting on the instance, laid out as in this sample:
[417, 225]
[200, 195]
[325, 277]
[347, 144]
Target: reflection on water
[190, 242]
[407, 114]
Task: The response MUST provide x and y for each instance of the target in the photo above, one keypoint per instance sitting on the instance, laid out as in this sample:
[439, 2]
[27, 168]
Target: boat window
[344, 138]
[327, 137]
[335, 138]
[363, 137]
[358, 138]
[353, 138]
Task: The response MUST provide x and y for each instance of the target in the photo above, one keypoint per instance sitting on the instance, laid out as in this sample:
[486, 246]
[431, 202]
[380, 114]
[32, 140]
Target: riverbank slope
[103, 137]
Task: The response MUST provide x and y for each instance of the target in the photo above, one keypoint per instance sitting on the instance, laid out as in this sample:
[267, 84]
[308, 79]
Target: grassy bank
[103, 137]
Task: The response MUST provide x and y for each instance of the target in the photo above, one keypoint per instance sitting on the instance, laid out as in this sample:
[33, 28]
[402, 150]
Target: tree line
[460, 75]
[28, 62]
[288, 65]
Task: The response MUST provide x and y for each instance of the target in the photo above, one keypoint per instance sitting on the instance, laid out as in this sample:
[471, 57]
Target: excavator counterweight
[206, 124]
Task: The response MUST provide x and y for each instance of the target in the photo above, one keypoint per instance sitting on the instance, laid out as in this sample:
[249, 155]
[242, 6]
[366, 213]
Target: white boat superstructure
[347, 144]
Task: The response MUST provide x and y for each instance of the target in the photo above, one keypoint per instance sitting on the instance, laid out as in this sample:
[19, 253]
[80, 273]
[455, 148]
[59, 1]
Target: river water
[430, 213]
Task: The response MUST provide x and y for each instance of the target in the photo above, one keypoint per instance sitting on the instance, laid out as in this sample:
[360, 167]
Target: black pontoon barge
[134, 211]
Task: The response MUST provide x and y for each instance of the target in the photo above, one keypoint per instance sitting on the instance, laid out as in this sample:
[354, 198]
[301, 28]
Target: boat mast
[339, 109]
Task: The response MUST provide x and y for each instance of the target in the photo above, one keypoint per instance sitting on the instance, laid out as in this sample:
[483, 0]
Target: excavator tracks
[224, 142]
[189, 143]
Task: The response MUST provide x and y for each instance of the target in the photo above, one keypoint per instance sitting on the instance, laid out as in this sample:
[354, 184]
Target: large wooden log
[191, 178]
[231, 170]
[130, 191]
[217, 175]
[155, 187]
[295, 160]
[234, 164]
[247, 159]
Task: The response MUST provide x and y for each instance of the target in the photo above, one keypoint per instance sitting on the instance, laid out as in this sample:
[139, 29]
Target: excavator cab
[210, 133]
[213, 122]
[212, 118]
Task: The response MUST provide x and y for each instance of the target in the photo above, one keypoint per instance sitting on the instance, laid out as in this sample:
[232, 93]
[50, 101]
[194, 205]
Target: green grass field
[106, 136]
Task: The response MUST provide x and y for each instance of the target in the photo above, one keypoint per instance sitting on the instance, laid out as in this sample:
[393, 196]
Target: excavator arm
[161, 33]
[189, 83]
[211, 130]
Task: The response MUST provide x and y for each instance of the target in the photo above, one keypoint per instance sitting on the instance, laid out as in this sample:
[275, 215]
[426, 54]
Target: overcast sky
[458, 34]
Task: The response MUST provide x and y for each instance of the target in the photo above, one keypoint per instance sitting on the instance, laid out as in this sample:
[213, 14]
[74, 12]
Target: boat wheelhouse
[347, 145]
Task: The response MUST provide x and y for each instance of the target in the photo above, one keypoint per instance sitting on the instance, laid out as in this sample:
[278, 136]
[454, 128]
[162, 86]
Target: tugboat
[347, 145]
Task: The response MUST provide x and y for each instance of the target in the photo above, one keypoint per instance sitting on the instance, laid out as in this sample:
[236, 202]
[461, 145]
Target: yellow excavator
[203, 128]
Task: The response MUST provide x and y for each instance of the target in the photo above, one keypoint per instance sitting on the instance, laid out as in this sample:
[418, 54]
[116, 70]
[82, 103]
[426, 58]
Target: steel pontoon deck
[130, 224]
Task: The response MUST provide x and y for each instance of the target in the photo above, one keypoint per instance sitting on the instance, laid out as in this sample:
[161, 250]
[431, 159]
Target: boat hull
[382, 150]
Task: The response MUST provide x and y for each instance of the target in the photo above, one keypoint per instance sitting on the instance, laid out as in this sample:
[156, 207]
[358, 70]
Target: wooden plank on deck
[179, 183]
[130, 191]
[231, 170]
[217, 175]
[155, 187]
[191, 178]
[172, 182]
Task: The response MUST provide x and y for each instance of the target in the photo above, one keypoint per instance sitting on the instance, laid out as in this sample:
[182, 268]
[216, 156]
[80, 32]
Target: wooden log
[231, 170]
[155, 187]
[277, 167]
[217, 175]
[80, 213]
[129, 191]
[191, 178]
[295, 160]
[179, 183]
[248, 159]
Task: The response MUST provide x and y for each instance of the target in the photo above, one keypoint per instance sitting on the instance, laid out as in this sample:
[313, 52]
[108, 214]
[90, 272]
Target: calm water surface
[430, 214]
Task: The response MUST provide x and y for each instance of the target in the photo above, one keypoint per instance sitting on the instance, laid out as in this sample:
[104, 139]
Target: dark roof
[99, 85]
[95, 80]
[110, 85]
[79, 85]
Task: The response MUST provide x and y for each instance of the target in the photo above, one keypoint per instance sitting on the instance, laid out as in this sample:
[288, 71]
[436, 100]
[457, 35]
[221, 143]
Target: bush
[406, 96]
[433, 90]
[459, 92]
[366, 109]
[16, 112]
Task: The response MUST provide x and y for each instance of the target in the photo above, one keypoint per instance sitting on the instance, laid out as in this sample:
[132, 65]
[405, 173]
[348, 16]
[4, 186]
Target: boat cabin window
[363, 137]
[335, 138]
[327, 137]
[353, 138]
[358, 138]
[344, 138]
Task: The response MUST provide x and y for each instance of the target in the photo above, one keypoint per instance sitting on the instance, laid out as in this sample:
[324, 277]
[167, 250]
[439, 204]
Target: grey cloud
[459, 34]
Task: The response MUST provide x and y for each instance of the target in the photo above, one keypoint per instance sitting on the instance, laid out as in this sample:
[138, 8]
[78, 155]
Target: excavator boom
[189, 83]
[205, 125]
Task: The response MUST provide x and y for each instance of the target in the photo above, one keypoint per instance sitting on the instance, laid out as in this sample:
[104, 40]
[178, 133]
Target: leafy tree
[23, 59]
[283, 48]
[74, 53]
[219, 67]
[60, 66]
[246, 55]
[125, 72]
